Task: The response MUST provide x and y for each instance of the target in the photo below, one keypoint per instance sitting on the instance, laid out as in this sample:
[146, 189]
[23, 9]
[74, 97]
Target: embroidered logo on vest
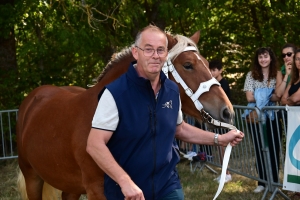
[168, 104]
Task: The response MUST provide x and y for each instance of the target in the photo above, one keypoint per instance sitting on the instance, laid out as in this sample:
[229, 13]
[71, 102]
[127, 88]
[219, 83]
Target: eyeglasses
[289, 54]
[148, 52]
[297, 59]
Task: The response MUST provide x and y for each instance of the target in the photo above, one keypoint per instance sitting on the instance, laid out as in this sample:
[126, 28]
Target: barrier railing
[8, 147]
[260, 156]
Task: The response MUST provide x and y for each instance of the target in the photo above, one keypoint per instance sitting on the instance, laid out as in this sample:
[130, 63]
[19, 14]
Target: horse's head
[201, 95]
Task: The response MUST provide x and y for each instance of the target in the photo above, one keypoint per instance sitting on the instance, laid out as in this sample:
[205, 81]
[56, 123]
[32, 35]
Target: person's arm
[191, 134]
[250, 96]
[285, 96]
[281, 84]
[249, 88]
[98, 150]
[294, 99]
[274, 98]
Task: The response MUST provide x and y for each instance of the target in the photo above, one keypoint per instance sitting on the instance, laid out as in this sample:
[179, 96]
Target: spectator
[139, 161]
[283, 76]
[216, 69]
[260, 82]
[291, 95]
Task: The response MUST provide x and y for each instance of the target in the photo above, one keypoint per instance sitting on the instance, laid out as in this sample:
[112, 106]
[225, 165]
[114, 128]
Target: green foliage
[69, 42]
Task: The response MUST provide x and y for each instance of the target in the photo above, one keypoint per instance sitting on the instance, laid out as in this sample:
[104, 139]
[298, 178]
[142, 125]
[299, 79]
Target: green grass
[200, 185]
[197, 186]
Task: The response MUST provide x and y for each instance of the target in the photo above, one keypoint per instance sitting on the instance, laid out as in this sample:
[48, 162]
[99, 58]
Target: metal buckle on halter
[165, 68]
[206, 117]
[189, 92]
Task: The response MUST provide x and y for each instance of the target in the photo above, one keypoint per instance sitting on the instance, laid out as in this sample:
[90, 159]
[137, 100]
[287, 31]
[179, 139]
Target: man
[132, 135]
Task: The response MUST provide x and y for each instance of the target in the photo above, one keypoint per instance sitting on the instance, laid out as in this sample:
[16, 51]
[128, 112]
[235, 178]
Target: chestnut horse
[54, 122]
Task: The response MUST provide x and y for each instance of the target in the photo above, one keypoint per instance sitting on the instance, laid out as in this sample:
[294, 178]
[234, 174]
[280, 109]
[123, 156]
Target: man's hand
[131, 191]
[233, 137]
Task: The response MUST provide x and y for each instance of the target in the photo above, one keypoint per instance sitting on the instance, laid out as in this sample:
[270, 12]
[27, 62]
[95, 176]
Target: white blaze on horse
[54, 122]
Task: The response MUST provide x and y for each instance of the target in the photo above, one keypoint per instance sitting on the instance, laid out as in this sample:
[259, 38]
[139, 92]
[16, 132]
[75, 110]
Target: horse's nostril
[225, 114]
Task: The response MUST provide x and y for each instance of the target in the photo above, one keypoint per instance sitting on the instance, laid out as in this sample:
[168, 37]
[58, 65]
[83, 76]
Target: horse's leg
[34, 185]
[68, 196]
[92, 179]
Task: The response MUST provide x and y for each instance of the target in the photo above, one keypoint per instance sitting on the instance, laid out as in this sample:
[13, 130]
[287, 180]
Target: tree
[69, 42]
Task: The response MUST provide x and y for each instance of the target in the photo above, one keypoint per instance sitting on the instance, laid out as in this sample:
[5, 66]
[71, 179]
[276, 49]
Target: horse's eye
[188, 66]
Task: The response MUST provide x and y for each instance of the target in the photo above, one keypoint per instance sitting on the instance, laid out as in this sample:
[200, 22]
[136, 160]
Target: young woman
[291, 95]
[260, 82]
[283, 76]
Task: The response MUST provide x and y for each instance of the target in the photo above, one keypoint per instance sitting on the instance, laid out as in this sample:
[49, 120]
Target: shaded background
[69, 42]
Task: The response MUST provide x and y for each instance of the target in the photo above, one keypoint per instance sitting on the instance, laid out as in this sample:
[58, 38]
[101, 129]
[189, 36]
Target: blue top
[143, 143]
[262, 98]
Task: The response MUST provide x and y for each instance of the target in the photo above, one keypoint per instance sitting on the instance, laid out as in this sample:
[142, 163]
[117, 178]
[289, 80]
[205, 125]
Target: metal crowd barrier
[244, 157]
[8, 147]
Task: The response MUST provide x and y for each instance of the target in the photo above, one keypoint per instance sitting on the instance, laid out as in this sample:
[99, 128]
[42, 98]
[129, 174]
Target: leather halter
[203, 87]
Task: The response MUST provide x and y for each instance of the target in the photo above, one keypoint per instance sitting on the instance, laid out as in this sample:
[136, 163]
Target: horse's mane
[116, 57]
[182, 43]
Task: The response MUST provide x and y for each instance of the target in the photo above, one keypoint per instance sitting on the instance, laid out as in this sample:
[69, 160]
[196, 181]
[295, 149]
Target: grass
[8, 179]
[197, 185]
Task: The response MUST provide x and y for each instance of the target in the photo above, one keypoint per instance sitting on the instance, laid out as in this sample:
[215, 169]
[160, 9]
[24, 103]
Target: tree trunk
[8, 59]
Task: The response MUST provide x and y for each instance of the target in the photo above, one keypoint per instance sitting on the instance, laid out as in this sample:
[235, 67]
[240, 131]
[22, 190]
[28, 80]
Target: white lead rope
[224, 166]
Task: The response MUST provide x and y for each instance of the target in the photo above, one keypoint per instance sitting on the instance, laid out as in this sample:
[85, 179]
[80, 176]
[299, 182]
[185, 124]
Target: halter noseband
[203, 87]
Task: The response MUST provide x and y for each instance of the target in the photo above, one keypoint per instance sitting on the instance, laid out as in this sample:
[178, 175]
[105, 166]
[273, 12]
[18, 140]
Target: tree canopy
[69, 42]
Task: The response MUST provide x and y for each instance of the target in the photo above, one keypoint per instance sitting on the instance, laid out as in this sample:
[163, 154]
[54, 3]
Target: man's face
[150, 64]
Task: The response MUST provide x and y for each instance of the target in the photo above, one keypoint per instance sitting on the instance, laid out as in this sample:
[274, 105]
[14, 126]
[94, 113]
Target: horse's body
[54, 123]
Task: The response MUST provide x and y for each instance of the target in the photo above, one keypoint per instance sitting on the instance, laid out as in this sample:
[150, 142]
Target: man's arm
[97, 148]
[191, 134]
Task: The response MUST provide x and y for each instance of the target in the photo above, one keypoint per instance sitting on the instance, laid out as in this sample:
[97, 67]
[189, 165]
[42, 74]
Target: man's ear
[134, 51]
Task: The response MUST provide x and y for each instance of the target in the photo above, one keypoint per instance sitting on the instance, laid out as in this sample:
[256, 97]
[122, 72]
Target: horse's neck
[115, 70]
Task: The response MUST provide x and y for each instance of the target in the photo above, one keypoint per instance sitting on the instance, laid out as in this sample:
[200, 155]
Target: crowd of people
[267, 84]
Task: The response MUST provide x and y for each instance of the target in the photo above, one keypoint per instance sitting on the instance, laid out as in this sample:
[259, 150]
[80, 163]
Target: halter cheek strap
[203, 87]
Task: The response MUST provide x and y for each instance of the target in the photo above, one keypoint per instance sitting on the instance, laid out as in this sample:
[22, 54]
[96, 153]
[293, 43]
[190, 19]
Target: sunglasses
[289, 54]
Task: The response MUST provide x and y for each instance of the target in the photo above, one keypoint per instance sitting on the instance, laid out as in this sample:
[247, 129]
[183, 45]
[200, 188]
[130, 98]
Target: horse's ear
[196, 37]
[171, 41]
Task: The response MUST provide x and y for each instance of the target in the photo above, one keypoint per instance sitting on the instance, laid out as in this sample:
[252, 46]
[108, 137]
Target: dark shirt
[225, 85]
[293, 89]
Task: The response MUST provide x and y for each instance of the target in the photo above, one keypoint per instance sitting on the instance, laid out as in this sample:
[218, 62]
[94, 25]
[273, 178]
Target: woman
[260, 82]
[283, 76]
[291, 95]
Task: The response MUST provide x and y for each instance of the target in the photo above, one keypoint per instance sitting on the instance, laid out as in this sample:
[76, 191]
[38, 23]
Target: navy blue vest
[143, 141]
